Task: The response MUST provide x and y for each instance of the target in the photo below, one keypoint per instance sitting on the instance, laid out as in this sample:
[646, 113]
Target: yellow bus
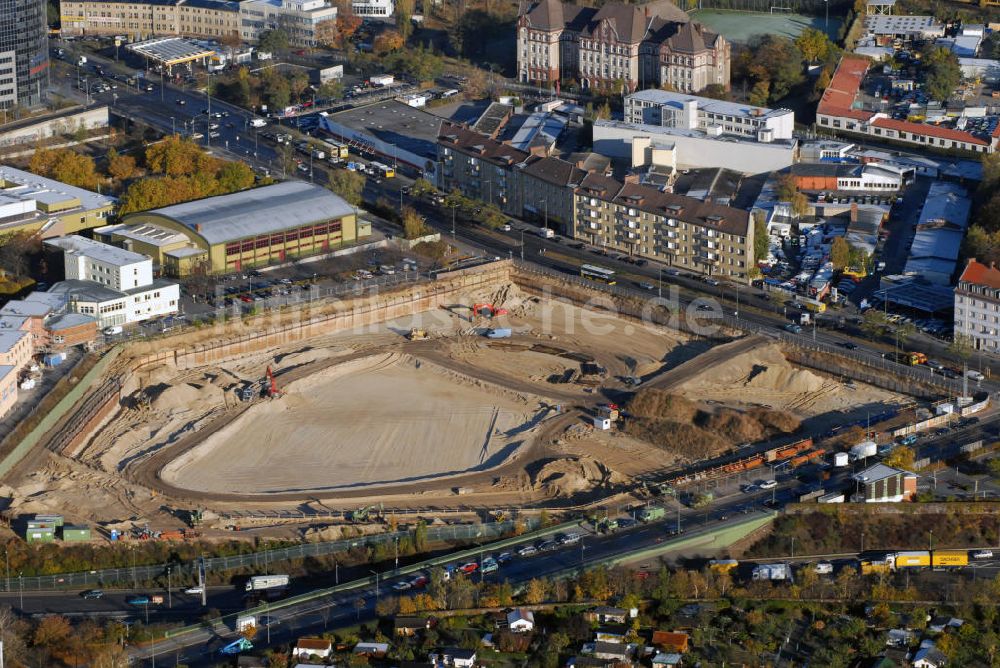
[385, 171]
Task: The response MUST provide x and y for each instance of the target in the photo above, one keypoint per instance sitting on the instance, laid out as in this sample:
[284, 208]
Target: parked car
[401, 586]
[982, 554]
[769, 484]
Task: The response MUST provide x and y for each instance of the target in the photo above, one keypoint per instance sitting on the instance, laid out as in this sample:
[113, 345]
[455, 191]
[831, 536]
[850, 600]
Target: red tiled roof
[928, 130]
[313, 643]
[978, 273]
[838, 98]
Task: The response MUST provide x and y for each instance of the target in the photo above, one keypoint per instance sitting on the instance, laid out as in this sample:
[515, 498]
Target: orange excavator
[272, 385]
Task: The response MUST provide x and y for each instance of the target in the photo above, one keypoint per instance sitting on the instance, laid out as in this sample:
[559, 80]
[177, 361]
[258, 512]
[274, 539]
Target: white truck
[863, 450]
[258, 122]
[546, 233]
[382, 80]
[772, 572]
[263, 582]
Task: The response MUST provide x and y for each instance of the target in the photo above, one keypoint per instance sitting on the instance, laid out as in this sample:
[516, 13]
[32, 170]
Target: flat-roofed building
[37, 205]
[298, 18]
[679, 110]
[255, 227]
[88, 260]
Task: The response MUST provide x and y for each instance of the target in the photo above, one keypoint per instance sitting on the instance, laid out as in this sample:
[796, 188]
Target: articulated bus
[385, 171]
[595, 273]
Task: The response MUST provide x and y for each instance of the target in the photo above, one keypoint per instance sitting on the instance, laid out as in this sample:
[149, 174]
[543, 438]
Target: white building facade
[112, 267]
[298, 18]
[690, 112]
[977, 306]
[376, 9]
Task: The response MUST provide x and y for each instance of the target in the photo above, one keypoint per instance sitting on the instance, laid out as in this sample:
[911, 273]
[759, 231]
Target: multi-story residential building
[376, 9]
[689, 112]
[479, 167]
[640, 220]
[547, 186]
[635, 46]
[213, 19]
[298, 18]
[24, 53]
[977, 306]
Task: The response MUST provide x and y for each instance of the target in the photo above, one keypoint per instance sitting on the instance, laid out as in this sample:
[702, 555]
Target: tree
[761, 242]
[535, 592]
[716, 92]
[327, 34]
[760, 93]
[331, 90]
[404, 16]
[52, 632]
[347, 26]
[348, 185]
[120, 167]
[994, 467]
[874, 323]
[75, 169]
[387, 42]
[15, 249]
[814, 45]
[840, 253]
[901, 458]
[413, 223]
[942, 73]
[235, 176]
[273, 40]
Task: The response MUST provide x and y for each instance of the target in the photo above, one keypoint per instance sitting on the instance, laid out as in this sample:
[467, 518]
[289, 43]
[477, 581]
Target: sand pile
[564, 477]
[183, 397]
[510, 297]
[763, 368]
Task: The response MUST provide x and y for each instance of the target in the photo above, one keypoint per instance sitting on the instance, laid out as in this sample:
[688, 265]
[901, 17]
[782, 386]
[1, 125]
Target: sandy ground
[416, 414]
[763, 377]
[383, 419]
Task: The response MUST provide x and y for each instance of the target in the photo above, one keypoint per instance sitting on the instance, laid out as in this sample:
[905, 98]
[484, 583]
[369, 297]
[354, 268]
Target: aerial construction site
[480, 389]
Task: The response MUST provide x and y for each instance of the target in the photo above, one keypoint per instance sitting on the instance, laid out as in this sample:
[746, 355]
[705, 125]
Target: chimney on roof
[197, 227]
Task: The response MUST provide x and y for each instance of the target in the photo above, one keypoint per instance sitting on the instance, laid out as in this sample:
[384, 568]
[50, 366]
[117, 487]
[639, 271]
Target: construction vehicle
[237, 646]
[262, 582]
[364, 514]
[272, 385]
[498, 516]
[651, 513]
[910, 359]
[722, 565]
[416, 334]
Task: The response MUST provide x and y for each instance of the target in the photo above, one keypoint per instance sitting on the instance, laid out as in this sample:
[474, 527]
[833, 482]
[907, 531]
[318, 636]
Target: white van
[546, 233]
[974, 375]
[111, 331]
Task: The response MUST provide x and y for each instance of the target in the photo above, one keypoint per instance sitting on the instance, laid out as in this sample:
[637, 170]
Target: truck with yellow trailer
[894, 561]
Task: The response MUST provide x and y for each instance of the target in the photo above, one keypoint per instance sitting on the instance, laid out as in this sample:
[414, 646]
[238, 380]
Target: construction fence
[261, 561]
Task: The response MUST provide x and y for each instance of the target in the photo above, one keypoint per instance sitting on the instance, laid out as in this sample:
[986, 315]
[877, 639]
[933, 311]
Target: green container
[41, 535]
[72, 533]
[54, 520]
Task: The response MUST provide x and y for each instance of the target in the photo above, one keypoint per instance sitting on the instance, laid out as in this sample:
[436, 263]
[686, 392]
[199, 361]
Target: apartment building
[210, 19]
[298, 18]
[637, 46]
[547, 185]
[479, 167]
[698, 236]
[977, 306]
[715, 117]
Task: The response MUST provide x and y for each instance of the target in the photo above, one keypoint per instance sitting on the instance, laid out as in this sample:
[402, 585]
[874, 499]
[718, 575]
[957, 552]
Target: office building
[24, 53]
[373, 9]
[45, 207]
[208, 19]
[298, 18]
[688, 112]
[648, 45]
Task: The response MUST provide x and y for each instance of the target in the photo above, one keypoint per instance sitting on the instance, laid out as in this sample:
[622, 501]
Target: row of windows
[300, 234]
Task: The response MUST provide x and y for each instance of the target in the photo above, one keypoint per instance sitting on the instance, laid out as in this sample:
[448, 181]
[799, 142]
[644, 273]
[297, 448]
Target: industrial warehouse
[245, 229]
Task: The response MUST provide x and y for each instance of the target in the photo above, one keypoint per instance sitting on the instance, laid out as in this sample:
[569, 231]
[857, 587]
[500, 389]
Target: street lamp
[659, 282]
[375, 573]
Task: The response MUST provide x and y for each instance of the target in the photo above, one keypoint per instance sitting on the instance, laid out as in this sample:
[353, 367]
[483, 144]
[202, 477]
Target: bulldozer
[498, 515]
[417, 334]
